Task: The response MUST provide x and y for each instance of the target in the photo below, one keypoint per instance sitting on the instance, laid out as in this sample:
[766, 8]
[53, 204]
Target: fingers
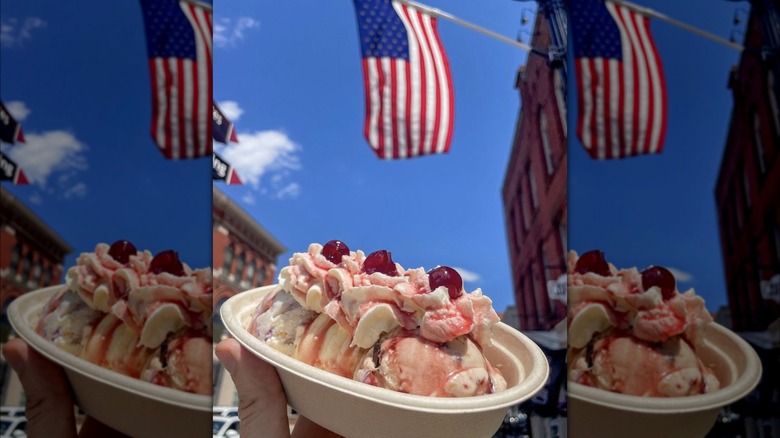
[49, 409]
[262, 403]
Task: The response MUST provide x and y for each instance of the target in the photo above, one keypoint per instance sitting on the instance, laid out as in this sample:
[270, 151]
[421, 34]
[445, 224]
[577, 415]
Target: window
[563, 235]
[36, 272]
[546, 267]
[738, 211]
[725, 229]
[774, 96]
[547, 148]
[47, 274]
[560, 97]
[513, 231]
[532, 184]
[250, 273]
[26, 266]
[518, 225]
[759, 143]
[16, 254]
[240, 261]
[526, 211]
[260, 275]
[229, 252]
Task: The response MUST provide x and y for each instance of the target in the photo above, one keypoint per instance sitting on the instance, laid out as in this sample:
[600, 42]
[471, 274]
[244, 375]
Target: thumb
[49, 408]
[262, 403]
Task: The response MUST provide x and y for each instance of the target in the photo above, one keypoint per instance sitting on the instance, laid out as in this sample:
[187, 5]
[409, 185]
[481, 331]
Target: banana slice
[100, 298]
[379, 319]
[314, 298]
[592, 319]
[165, 319]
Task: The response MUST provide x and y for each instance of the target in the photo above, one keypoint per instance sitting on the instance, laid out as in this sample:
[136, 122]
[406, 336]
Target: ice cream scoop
[411, 364]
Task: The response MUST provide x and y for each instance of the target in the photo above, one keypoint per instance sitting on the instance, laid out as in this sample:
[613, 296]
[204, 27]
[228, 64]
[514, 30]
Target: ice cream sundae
[369, 319]
[632, 332]
[144, 316]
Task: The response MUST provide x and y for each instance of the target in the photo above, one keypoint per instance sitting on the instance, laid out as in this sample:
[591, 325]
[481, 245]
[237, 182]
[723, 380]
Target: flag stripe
[202, 95]
[442, 104]
[392, 91]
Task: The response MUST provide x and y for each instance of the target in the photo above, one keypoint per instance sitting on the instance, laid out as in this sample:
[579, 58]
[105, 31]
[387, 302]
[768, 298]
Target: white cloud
[248, 198]
[681, 276]
[466, 275]
[289, 191]
[36, 199]
[18, 110]
[14, 32]
[230, 109]
[264, 156]
[53, 151]
[77, 191]
[228, 32]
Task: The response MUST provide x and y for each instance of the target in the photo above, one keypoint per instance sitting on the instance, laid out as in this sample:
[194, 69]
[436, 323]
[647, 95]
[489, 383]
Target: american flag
[178, 38]
[620, 81]
[407, 80]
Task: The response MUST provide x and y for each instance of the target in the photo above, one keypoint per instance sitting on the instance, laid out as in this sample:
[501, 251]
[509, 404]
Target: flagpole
[439, 13]
[655, 14]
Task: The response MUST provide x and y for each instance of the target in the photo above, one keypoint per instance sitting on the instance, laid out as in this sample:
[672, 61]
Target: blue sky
[77, 78]
[289, 75]
[661, 209]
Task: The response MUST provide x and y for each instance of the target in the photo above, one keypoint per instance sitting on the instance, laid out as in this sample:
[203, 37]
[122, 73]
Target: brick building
[244, 253]
[534, 188]
[244, 257]
[747, 195]
[31, 257]
[747, 191]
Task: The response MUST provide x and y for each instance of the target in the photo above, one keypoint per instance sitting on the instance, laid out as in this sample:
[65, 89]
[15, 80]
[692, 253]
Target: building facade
[535, 213]
[32, 256]
[534, 188]
[747, 194]
[747, 191]
[244, 257]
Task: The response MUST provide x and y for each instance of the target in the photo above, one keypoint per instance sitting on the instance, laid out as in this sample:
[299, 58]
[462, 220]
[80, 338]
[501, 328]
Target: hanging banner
[10, 171]
[222, 129]
[221, 170]
[10, 129]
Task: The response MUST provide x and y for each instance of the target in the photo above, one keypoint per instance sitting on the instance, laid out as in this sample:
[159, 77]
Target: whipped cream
[367, 305]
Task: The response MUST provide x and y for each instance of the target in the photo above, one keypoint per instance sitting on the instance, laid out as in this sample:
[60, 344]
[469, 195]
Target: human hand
[262, 403]
[49, 409]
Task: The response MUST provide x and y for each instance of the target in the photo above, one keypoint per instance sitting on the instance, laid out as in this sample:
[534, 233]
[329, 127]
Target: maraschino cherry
[592, 261]
[661, 277]
[334, 250]
[380, 261]
[167, 261]
[121, 250]
[447, 277]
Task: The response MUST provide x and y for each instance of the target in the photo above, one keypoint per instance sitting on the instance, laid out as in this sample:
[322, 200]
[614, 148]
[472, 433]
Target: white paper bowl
[355, 409]
[597, 413]
[129, 405]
